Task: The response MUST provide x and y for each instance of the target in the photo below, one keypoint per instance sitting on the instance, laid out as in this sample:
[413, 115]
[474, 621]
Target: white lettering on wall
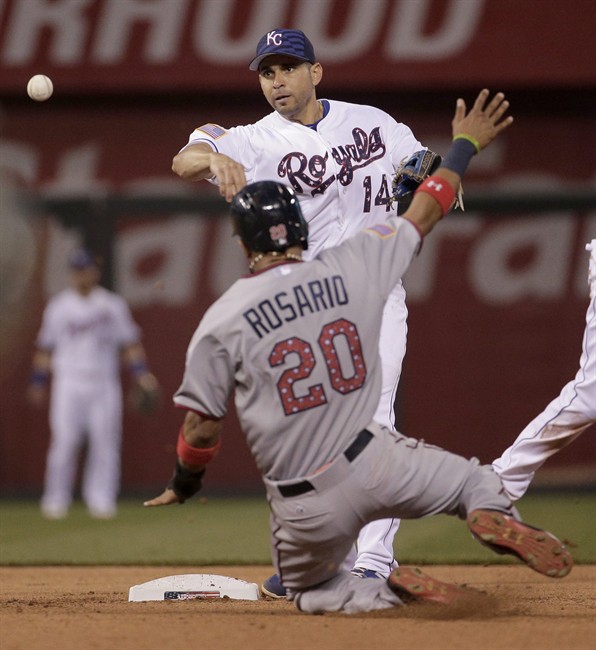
[77, 171]
[75, 39]
[362, 26]
[550, 239]
[66, 21]
[211, 37]
[164, 20]
[407, 40]
[179, 241]
[20, 162]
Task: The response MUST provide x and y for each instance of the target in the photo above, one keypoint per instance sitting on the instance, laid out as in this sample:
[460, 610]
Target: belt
[352, 452]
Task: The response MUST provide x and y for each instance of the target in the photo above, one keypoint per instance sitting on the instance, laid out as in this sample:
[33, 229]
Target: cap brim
[256, 62]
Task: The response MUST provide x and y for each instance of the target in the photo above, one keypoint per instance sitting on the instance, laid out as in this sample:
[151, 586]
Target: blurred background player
[340, 159]
[85, 331]
[564, 419]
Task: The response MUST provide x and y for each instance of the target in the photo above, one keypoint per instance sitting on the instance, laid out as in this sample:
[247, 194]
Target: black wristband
[459, 155]
[185, 482]
[39, 377]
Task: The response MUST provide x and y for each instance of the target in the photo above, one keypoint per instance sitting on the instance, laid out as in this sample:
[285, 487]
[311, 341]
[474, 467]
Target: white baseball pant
[374, 547]
[561, 422]
[84, 412]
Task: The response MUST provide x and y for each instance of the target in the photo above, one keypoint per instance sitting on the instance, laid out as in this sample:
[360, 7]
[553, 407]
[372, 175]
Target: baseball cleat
[539, 549]
[54, 512]
[272, 587]
[361, 572]
[411, 584]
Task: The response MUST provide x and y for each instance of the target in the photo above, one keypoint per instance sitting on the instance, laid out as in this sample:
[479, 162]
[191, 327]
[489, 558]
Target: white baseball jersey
[341, 168]
[299, 344]
[85, 333]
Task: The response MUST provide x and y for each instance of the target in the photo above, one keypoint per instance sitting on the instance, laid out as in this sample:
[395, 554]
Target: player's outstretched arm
[472, 132]
[199, 161]
[198, 443]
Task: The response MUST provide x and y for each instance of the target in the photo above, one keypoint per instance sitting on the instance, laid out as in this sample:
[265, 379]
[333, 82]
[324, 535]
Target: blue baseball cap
[291, 42]
[81, 258]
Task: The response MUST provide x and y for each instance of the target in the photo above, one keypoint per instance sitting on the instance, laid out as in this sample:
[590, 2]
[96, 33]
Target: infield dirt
[64, 608]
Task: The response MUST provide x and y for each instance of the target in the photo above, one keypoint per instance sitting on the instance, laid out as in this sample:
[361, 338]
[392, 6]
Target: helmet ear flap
[267, 217]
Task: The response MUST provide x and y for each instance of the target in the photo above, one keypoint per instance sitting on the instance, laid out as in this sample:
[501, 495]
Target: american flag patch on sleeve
[382, 230]
[213, 130]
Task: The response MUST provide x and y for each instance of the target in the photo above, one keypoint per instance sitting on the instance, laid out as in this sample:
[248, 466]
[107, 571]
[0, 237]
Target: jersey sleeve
[402, 142]
[384, 252]
[208, 376]
[48, 332]
[208, 134]
[126, 330]
[234, 142]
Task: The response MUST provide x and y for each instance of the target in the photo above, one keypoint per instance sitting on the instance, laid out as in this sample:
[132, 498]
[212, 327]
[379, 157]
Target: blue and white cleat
[272, 587]
[361, 572]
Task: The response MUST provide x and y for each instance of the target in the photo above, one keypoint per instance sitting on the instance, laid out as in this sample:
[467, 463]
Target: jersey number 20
[315, 395]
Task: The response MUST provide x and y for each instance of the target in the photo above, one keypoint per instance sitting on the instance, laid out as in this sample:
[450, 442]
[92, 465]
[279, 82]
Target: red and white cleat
[539, 549]
[410, 584]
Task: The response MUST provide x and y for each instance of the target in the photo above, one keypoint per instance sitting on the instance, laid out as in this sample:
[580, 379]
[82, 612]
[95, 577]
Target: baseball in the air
[40, 87]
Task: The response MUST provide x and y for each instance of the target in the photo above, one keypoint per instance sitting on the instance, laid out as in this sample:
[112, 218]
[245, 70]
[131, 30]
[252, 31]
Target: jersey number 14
[382, 197]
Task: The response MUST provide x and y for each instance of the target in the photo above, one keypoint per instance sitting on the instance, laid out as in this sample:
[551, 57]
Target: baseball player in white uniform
[564, 419]
[84, 331]
[340, 159]
[298, 344]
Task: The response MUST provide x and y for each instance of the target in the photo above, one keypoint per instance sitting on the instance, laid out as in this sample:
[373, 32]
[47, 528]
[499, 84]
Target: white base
[194, 586]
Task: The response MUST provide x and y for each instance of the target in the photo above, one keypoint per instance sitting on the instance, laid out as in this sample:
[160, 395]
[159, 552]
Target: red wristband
[441, 190]
[195, 455]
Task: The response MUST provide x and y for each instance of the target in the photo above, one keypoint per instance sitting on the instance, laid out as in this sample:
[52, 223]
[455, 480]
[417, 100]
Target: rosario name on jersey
[287, 338]
[341, 168]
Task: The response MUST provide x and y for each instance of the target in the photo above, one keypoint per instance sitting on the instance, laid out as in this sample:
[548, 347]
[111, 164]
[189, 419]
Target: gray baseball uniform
[341, 168]
[299, 345]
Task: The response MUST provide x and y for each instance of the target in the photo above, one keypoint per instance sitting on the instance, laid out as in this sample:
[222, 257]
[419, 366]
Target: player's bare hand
[166, 498]
[229, 173]
[485, 120]
[37, 396]
[148, 381]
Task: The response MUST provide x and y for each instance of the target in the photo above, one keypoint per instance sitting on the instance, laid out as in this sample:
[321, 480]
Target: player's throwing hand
[229, 173]
[484, 121]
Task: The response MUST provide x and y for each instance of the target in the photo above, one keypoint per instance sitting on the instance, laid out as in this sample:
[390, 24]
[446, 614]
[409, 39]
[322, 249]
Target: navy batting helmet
[267, 217]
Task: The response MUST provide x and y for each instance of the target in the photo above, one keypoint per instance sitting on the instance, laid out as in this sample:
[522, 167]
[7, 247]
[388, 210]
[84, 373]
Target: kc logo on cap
[291, 42]
[274, 38]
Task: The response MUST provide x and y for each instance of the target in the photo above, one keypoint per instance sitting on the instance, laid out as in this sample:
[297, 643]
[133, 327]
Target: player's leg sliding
[272, 587]
[539, 549]
[412, 585]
